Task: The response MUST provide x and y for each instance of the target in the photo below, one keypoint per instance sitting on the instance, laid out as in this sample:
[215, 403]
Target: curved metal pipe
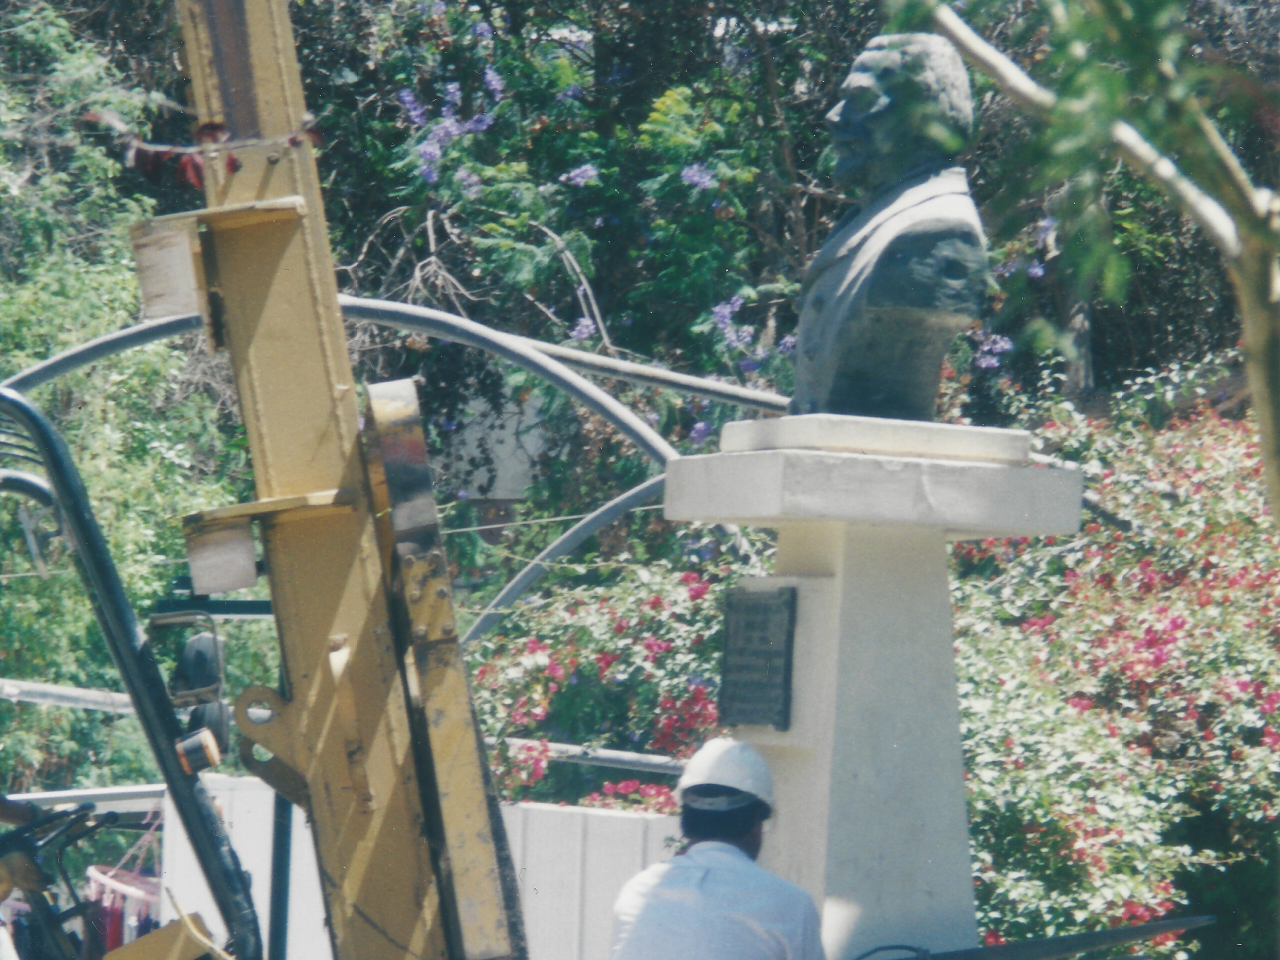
[567, 541]
[100, 347]
[142, 679]
[651, 376]
[451, 327]
[519, 352]
[121, 340]
[27, 485]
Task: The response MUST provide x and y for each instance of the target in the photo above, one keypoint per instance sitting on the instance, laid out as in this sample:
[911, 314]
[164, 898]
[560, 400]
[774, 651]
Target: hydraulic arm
[372, 732]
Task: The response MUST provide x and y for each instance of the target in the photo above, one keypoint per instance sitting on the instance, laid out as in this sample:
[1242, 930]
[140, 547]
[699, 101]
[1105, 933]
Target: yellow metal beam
[341, 733]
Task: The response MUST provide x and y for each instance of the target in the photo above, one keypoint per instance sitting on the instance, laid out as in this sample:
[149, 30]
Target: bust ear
[939, 266]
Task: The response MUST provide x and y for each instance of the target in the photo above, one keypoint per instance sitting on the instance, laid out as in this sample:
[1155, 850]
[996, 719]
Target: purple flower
[581, 176]
[572, 92]
[412, 107]
[585, 330]
[429, 173]
[438, 9]
[990, 346]
[1008, 268]
[1035, 270]
[997, 344]
[653, 418]
[482, 30]
[787, 344]
[698, 435]
[453, 94]
[722, 313]
[698, 176]
[747, 365]
[430, 150]
[478, 124]
[493, 80]
[469, 181]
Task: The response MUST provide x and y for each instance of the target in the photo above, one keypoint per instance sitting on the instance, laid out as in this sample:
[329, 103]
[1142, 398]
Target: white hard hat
[727, 763]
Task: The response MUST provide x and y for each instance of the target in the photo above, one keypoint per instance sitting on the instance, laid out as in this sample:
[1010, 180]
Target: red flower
[604, 661]
[689, 577]
[698, 590]
[1270, 738]
[992, 939]
[629, 786]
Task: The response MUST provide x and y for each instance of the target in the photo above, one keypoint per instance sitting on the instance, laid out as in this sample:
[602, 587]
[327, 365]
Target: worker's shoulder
[778, 889]
[643, 882]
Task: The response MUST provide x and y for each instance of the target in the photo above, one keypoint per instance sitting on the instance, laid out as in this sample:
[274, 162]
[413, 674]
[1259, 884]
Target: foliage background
[1120, 738]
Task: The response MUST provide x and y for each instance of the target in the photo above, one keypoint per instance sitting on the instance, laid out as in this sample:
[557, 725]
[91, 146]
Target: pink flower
[698, 590]
[654, 645]
[1081, 703]
[689, 577]
[629, 786]
[1270, 738]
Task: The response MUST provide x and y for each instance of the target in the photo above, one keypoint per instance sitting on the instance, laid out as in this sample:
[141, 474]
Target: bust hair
[934, 65]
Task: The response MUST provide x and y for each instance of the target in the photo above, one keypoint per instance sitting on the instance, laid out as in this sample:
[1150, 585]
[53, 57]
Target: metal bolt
[273, 158]
[447, 627]
[419, 633]
[337, 641]
[415, 594]
[442, 593]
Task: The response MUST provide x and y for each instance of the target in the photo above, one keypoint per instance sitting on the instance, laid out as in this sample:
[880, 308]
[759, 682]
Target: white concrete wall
[571, 863]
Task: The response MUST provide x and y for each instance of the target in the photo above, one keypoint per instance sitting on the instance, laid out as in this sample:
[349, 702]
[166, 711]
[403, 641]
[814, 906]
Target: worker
[712, 901]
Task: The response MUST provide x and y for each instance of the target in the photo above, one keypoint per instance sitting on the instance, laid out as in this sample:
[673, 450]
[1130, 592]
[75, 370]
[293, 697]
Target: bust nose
[832, 118]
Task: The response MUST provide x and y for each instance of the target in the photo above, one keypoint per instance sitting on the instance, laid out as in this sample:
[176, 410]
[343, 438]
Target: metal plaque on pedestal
[755, 685]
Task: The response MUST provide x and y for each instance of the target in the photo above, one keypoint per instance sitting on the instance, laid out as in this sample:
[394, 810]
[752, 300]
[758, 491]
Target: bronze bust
[901, 276]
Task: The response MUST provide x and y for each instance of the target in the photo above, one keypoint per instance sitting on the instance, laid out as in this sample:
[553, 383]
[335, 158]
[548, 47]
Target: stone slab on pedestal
[869, 782]
[916, 438]
[979, 485]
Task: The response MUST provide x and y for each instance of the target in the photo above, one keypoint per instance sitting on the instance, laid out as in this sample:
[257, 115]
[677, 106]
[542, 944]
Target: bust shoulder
[931, 264]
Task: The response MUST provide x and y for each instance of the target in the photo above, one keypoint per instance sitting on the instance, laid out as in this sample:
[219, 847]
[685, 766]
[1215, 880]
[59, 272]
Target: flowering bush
[635, 796]
[632, 664]
[1118, 687]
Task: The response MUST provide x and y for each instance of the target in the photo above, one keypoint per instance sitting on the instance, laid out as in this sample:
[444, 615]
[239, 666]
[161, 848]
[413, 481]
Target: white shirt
[714, 903]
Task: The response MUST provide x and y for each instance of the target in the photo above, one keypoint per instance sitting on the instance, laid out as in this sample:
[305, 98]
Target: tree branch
[1132, 146]
[1206, 211]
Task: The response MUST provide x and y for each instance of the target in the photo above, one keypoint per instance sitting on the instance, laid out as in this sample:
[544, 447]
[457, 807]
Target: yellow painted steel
[185, 939]
[340, 735]
[436, 676]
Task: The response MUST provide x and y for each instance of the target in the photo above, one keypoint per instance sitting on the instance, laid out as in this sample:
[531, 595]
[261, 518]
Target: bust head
[905, 105]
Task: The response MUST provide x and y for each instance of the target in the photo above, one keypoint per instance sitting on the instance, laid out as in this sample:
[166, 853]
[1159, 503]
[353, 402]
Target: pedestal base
[871, 814]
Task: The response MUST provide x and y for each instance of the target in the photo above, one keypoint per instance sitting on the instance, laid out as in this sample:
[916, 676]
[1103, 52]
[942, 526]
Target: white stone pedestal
[870, 790]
